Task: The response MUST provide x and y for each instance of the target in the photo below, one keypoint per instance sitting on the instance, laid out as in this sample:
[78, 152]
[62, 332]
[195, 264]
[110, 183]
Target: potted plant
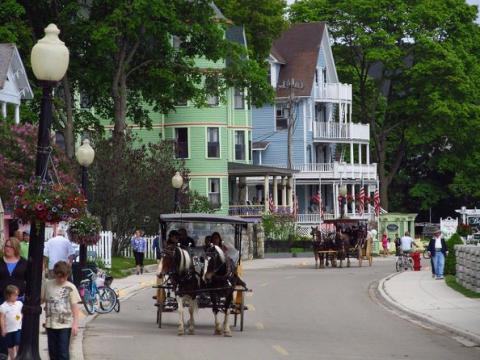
[85, 230]
[39, 200]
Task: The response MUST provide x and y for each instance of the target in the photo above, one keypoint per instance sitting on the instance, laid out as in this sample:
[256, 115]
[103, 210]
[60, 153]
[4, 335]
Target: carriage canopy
[198, 226]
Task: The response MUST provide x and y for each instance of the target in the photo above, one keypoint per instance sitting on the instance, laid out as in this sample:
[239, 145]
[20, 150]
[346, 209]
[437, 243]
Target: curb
[463, 336]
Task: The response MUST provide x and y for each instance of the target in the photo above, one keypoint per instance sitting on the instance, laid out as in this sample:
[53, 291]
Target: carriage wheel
[159, 314]
[242, 311]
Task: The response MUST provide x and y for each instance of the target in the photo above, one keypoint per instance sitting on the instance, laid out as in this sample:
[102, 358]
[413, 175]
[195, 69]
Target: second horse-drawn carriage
[337, 240]
[205, 273]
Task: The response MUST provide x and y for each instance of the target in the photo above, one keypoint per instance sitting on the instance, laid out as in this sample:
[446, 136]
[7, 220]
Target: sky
[471, 2]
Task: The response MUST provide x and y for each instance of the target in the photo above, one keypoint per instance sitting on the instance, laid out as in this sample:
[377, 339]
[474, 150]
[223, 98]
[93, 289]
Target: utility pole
[291, 84]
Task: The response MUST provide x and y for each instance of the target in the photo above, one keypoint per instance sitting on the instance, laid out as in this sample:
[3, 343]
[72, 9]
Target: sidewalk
[433, 301]
[126, 287]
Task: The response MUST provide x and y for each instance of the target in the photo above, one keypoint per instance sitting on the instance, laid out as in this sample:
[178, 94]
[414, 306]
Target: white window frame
[219, 142]
[188, 141]
[235, 145]
[219, 205]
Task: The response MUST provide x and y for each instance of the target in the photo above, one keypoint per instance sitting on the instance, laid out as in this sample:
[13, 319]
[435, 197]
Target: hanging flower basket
[47, 202]
[85, 230]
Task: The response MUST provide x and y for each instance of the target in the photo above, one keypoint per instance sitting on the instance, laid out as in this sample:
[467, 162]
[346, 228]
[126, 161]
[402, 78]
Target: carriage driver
[184, 240]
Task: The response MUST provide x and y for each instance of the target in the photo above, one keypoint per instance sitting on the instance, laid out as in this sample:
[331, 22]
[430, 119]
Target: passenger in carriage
[172, 238]
[185, 240]
[231, 253]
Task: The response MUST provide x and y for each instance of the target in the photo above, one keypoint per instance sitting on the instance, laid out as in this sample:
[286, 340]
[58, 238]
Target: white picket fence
[102, 250]
[149, 252]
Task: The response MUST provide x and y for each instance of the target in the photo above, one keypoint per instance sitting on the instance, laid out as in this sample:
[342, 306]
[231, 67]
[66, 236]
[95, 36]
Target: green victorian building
[215, 143]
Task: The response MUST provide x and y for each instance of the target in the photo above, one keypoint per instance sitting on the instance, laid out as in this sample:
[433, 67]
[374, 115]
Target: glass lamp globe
[85, 154]
[50, 56]
[177, 180]
[343, 190]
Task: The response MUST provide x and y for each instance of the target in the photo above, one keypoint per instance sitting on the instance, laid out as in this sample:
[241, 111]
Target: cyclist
[406, 244]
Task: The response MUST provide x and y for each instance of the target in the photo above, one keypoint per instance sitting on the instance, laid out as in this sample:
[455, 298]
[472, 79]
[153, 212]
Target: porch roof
[240, 169]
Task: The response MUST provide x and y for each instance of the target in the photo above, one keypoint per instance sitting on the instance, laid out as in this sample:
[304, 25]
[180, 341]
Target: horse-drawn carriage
[205, 275]
[338, 240]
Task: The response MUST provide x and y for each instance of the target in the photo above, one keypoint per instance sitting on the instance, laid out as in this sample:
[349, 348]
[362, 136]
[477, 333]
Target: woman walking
[13, 270]
[385, 242]
[139, 246]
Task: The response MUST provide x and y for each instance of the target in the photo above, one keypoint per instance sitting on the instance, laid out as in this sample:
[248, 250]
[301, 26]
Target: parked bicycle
[96, 293]
[404, 262]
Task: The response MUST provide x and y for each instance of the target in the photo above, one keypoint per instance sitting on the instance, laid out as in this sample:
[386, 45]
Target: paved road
[296, 313]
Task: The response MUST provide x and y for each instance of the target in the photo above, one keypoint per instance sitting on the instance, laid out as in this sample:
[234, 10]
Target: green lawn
[119, 264]
[452, 282]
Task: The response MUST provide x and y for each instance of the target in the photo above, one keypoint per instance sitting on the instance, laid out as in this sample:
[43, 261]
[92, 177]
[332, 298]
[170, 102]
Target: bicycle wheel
[107, 299]
[410, 263]
[398, 265]
[88, 300]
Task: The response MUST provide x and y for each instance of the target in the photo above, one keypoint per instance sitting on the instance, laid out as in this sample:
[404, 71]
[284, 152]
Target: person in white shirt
[58, 248]
[11, 320]
[406, 243]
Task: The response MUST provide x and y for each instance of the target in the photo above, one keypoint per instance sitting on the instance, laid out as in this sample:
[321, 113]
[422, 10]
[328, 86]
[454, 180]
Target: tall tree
[264, 21]
[69, 119]
[413, 68]
[148, 51]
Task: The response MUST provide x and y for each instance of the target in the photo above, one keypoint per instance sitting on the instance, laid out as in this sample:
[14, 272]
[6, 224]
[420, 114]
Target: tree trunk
[68, 132]
[120, 106]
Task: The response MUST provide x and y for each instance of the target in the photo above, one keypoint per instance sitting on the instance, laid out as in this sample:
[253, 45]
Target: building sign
[473, 221]
[448, 227]
[392, 227]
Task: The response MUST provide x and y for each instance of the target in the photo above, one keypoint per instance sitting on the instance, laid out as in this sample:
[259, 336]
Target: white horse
[218, 273]
[178, 264]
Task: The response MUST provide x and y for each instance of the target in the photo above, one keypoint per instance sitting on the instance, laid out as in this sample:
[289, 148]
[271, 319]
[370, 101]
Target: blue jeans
[59, 343]
[439, 263]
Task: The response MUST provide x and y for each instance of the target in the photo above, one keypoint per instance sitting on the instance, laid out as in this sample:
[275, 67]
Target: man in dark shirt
[184, 240]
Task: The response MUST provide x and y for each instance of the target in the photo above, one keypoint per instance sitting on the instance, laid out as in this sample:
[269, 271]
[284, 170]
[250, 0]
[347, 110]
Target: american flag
[376, 201]
[361, 200]
[271, 205]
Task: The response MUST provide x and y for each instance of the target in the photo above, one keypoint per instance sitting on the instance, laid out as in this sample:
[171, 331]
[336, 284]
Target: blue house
[329, 151]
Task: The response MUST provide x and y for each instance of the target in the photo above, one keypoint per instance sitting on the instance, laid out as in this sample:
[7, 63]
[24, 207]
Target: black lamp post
[49, 64]
[177, 183]
[85, 155]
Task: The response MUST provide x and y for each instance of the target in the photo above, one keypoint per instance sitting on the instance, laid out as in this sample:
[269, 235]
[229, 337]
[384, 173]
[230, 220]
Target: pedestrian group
[59, 296]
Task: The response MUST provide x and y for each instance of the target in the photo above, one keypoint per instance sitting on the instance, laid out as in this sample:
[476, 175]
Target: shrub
[451, 261]
[278, 226]
[464, 230]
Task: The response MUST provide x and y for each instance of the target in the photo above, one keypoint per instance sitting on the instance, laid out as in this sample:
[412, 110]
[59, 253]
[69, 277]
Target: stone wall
[468, 266]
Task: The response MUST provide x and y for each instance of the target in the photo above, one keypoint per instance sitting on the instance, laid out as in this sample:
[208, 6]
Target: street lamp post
[177, 182]
[49, 59]
[85, 155]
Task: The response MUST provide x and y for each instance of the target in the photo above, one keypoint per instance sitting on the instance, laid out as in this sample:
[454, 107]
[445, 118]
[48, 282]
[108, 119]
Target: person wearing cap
[24, 244]
[437, 248]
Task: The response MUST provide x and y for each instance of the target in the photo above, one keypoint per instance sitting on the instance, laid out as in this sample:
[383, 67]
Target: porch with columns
[268, 182]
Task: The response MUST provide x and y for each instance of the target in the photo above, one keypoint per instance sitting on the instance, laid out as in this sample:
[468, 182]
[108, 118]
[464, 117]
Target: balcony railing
[333, 92]
[331, 130]
[255, 210]
[315, 218]
[246, 210]
[335, 170]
